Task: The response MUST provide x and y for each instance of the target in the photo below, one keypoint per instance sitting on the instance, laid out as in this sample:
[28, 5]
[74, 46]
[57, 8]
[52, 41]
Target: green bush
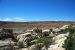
[46, 33]
[69, 43]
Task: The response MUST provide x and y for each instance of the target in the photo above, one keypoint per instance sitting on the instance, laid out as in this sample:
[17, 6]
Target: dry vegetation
[33, 35]
[44, 24]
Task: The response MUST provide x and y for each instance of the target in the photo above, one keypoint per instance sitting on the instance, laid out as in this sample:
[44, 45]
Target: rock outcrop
[59, 41]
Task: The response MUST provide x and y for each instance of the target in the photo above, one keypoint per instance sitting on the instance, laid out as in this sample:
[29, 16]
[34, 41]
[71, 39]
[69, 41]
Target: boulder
[22, 36]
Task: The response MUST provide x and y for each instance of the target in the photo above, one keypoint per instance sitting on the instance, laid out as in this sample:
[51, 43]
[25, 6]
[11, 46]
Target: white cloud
[0, 19]
[7, 19]
[18, 19]
[56, 20]
[12, 19]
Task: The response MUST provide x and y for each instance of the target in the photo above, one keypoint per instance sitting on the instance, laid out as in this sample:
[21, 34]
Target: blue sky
[37, 10]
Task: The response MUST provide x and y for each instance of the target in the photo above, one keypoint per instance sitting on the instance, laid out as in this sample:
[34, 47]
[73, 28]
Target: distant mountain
[41, 24]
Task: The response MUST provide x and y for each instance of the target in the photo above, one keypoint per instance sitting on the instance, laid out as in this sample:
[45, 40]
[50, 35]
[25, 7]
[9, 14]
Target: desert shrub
[51, 30]
[69, 43]
[7, 33]
[62, 31]
[70, 29]
[46, 33]
[37, 30]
